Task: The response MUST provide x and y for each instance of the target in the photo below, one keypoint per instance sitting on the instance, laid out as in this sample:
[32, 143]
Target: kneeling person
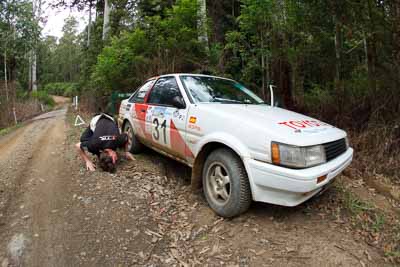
[102, 138]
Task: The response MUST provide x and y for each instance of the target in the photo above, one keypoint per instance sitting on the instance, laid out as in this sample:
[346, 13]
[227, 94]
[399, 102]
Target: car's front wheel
[225, 183]
[134, 145]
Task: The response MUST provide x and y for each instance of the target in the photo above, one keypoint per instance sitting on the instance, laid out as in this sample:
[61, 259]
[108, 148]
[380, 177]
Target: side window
[138, 97]
[164, 91]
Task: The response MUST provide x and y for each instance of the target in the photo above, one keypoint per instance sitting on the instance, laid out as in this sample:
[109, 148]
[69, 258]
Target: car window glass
[140, 94]
[213, 89]
[164, 91]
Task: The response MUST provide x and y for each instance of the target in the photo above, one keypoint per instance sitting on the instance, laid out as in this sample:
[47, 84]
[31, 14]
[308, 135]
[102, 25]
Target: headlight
[347, 143]
[297, 157]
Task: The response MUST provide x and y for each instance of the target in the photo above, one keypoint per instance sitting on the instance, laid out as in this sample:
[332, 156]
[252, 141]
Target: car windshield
[206, 89]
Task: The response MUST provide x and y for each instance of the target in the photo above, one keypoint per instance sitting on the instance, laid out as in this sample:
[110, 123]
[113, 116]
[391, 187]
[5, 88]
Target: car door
[138, 109]
[167, 122]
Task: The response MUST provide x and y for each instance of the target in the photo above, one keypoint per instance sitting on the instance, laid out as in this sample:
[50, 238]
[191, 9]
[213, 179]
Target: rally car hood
[281, 125]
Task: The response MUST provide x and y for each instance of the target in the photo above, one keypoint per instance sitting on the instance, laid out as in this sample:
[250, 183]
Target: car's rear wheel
[225, 183]
[134, 145]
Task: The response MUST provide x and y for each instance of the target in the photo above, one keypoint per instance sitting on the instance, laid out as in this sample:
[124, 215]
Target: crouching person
[102, 138]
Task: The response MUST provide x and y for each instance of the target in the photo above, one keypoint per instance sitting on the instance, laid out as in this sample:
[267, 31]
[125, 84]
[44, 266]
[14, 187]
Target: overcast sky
[56, 17]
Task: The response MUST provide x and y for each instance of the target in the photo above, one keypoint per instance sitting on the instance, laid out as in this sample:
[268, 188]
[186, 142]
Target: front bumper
[289, 187]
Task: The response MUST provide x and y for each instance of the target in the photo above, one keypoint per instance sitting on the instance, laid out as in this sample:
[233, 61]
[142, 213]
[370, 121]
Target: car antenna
[271, 90]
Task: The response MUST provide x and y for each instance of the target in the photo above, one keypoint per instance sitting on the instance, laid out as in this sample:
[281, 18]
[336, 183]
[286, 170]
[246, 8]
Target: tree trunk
[34, 71]
[297, 81]
[5, 73]
[30, 71]
[263, 77]
[396, 35]
[262, 69]
[267, 76]
[202, 23]
[106, 19]
[338, 57]
[371, 51]
[89, 24]
[37, 6]
[365, 51]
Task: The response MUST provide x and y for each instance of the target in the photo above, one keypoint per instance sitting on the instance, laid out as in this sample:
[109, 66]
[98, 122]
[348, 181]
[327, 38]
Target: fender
[224, 138]
[124, 120]
[230, 141]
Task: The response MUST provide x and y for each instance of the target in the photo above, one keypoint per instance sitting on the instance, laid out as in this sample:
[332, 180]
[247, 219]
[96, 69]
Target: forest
[337, 60]
[334, 60]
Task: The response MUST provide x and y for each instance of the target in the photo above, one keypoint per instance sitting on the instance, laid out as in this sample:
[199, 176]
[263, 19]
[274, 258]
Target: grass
[354, 204]
[372, 222]
[395, 252]
[8, 130]
[378, 222]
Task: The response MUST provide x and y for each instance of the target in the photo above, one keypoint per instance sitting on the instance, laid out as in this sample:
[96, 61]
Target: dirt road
[54, 213]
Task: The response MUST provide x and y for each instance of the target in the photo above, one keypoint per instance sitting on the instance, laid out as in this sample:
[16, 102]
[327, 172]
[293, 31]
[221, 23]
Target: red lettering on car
[298, 124]
[286, 123]
[309, 123]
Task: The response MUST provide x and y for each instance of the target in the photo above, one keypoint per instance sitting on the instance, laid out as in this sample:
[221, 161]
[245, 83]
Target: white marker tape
[79, 121]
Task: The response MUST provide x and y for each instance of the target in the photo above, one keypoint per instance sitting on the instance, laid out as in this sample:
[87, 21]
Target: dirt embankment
[55, 213]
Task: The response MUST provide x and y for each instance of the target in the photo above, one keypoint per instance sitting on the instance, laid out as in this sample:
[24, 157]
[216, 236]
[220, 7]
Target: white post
[76, 102]
[15, 116]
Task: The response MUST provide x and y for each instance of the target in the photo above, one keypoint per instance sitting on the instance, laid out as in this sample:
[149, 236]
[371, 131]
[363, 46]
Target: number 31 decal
[163, 126]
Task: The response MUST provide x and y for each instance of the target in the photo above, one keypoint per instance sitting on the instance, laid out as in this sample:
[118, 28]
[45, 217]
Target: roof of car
[188, 74]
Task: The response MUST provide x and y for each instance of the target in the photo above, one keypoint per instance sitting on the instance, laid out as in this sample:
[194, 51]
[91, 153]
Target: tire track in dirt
[15, 155]
[35, 208]
[46, 201]
[8, 142]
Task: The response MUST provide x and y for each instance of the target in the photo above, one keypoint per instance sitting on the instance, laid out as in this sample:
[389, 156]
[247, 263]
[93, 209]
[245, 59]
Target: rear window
[140, 94]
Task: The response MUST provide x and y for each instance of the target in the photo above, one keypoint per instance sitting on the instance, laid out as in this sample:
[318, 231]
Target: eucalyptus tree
[18, 30]
[202, 22]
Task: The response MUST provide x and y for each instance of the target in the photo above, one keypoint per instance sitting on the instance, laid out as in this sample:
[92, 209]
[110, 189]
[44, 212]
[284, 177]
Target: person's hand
[129, 156]
[90, 166]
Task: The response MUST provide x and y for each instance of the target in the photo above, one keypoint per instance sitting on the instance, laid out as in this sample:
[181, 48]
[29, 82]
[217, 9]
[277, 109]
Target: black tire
[228, 164]
[135, 147]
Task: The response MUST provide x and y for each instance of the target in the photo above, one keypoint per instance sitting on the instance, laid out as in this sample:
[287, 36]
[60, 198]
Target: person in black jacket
[102, 138]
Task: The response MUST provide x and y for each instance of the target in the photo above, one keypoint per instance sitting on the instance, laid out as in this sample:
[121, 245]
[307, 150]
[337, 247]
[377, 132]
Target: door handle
[143, 110]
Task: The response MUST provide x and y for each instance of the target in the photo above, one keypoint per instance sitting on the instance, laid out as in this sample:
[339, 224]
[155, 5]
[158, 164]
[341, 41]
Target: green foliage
[44, 98]
[61, 89]
[327, 58]
[60, 62]
[4, 131]
[317, 96]
[158, 46]
[19, 32]
[253, 44]
[119, 62]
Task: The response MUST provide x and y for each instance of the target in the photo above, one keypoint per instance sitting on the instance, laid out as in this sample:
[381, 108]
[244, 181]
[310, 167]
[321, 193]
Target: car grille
[334, 149]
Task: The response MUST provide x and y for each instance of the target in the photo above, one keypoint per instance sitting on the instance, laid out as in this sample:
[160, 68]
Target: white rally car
[240, 148]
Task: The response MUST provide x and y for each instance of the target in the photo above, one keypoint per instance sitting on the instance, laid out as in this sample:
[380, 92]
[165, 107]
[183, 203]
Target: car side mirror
[178, 102]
